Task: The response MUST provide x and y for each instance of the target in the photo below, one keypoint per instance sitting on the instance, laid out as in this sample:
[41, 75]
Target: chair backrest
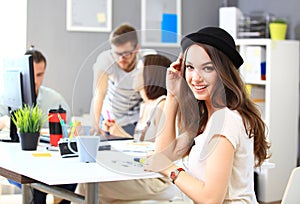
[144, 52]
[291, 193]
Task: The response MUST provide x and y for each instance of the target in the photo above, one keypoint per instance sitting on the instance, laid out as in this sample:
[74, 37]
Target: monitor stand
[13, 131]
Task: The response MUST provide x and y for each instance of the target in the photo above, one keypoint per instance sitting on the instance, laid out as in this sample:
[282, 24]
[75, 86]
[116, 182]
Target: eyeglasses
[126, 54]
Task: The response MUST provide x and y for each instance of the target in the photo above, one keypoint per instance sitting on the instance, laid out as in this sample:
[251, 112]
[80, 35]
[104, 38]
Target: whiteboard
[89, 16]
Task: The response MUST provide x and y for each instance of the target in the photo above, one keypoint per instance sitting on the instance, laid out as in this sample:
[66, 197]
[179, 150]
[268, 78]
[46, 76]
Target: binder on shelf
[254, 69]
[169, 28]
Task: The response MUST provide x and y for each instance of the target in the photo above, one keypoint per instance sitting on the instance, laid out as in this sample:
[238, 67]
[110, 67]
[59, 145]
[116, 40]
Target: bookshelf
[280, 103]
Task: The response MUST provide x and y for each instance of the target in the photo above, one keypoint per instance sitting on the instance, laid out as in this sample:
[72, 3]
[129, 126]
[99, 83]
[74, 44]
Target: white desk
[53, 170]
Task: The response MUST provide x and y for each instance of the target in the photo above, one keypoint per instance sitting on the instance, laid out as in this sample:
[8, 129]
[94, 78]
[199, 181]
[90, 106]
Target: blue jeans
[39, 197]
[129, 128]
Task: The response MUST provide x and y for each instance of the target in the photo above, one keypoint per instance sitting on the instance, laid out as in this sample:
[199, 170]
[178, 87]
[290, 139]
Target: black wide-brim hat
[216, 37]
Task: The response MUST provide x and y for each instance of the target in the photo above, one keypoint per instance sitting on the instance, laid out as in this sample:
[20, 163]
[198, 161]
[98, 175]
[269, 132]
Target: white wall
[13, 23]
[71, 55]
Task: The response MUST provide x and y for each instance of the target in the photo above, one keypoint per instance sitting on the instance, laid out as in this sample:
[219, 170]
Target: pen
[51, 148]
[73, 126]
[134, 151]
[71, 130]
[63, 126]
[140, 160]
[109, 117]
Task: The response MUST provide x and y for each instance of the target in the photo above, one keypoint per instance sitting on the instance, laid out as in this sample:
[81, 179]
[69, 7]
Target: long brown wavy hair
[231, 90]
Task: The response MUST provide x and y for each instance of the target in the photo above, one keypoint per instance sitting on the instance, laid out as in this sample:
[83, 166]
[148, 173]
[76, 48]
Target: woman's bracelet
[174, 174]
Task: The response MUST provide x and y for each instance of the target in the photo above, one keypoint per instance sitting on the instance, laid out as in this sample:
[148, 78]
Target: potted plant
[29, 121]
[278, 29]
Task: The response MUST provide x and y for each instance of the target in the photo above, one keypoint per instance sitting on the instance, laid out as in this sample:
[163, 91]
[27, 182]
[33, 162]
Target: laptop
[113, 137]
[86, 129]
[45, 136]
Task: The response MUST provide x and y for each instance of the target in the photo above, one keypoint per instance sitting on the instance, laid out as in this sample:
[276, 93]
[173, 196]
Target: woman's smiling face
[200, 73]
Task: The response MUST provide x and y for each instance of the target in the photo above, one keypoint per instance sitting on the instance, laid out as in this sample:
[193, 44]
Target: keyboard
[113, 137]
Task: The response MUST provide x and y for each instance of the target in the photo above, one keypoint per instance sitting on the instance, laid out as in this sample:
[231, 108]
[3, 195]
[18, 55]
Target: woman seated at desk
[151, 83]
[152, 73]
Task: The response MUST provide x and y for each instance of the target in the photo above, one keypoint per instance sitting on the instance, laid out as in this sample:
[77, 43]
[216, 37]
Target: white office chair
[291, 194]
[144, 52]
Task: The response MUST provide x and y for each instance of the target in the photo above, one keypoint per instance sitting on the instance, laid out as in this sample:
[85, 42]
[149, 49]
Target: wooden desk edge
[16, 177]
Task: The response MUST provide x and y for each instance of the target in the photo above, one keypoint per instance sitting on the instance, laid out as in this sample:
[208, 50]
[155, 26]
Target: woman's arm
[99, 95]
[4, 122]
[167, 125]
[217, 174]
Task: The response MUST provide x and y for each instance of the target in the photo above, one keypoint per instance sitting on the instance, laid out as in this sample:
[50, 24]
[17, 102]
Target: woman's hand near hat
[176, 66]
[174, 76]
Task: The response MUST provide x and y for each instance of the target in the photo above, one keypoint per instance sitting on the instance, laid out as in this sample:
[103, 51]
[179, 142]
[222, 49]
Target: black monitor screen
[13, 89]
[19, 86]
[22, 68]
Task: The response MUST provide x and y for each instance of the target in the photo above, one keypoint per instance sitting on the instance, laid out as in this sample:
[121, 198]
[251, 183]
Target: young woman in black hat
[221, 128]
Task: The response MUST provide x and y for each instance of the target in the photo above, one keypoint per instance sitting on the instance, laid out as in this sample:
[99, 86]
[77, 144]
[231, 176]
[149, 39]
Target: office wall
[71, 55]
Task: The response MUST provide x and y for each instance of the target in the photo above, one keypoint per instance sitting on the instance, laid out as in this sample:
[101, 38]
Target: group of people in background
[132, 88]
[196, 107]
[205, 114]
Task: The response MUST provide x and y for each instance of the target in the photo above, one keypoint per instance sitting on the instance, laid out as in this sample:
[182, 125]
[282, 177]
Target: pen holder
[64, 145]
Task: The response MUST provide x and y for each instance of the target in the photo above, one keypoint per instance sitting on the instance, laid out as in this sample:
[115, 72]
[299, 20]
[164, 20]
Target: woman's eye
[189, 67]
[208, 69]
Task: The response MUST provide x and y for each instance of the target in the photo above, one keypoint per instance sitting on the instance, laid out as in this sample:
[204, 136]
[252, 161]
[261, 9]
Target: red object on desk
[55, 129]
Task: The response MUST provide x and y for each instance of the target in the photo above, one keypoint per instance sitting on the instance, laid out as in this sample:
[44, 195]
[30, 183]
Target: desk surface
[110, 166]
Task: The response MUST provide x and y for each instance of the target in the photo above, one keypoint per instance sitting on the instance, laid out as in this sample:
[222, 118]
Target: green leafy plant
[279, 20]
[29, 119]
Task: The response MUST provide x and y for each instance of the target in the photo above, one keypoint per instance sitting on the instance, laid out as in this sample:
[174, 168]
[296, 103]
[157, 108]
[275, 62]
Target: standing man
[114, 94]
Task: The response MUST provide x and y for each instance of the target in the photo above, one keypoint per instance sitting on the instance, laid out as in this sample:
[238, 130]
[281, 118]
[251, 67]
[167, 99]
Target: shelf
[262, 82]
[279, 103]
[254, 41]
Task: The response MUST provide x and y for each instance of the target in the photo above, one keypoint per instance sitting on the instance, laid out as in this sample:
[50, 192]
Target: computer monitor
[19, 87]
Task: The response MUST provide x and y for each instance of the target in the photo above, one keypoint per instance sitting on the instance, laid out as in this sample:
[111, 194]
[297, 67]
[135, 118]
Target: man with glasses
[114, 94]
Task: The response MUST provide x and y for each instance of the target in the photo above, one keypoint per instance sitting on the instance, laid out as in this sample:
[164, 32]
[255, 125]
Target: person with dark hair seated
[150, 82]
[53, 101]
